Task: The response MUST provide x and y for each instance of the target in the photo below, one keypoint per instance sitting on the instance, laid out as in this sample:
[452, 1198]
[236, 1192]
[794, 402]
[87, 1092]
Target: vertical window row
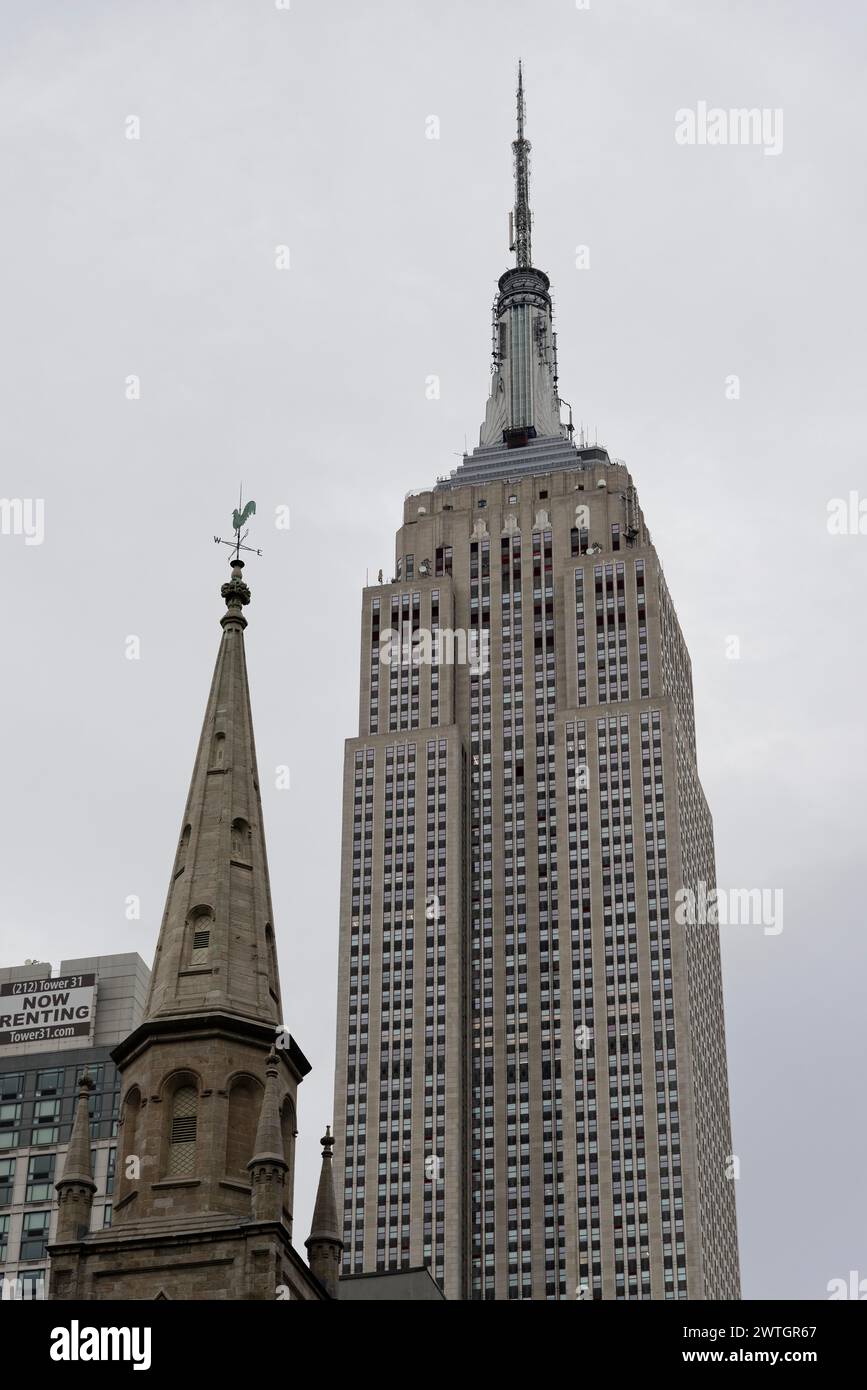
[707, 1040]
[675, 666]
[625, 1081]
[359, 1004]
[435, 1009]
[374, 667]
[394, 1159]
[443, 560]
[415, 669]
[395, 663]
[587, 1145]
[544, 667]
[641, 606]
[580, 540]
[481, 930]
[580, 637]
[662, 990]
[519, 1230]
[435, 666]
[612, 654]
[403, 689]
[406, 665]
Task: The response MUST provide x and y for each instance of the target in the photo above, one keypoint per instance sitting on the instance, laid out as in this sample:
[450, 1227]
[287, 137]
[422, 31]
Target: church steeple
[209, 1079]
[216, 945]
[524, 401]
[210, 1076]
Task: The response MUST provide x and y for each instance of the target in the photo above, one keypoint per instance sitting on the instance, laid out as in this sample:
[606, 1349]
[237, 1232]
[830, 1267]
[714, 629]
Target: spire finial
[239, 521]
[325, 1225]
[77, 1166]
[236, 592]
[325, 1242]
[521, 217]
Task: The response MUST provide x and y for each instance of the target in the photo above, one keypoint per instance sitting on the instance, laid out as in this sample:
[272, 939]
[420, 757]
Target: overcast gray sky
[306, 127]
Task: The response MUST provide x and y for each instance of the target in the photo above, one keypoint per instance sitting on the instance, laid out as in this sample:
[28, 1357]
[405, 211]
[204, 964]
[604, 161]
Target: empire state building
[531, 1084]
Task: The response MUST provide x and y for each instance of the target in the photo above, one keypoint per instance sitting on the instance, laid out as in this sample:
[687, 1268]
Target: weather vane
[239, 519]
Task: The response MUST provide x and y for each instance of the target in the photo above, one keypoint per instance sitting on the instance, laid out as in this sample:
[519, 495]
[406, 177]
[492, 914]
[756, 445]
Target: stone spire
[268, 1165]
[216, 949]
[524, 402]
[75, 1188]
[325, 1243]
[209, 1079]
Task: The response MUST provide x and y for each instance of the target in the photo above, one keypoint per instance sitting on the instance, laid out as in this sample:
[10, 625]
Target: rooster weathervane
[239, 520]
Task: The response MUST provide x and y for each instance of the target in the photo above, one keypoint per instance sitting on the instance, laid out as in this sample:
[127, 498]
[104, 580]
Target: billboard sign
[41, 1011]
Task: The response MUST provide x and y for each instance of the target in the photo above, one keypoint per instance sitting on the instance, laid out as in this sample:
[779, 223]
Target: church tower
[206, 1145]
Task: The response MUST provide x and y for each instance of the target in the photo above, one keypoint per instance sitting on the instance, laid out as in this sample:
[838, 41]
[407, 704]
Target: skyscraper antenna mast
[520, 220]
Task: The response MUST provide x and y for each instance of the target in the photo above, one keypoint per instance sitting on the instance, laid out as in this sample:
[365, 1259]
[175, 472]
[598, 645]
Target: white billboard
[39, 1011]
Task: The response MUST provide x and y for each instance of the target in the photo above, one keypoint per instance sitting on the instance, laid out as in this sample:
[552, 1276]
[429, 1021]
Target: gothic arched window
[273, 973]
[129, 1172]
[182, 1132]
[240, 839]
[200, 922]
[245, 1099]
